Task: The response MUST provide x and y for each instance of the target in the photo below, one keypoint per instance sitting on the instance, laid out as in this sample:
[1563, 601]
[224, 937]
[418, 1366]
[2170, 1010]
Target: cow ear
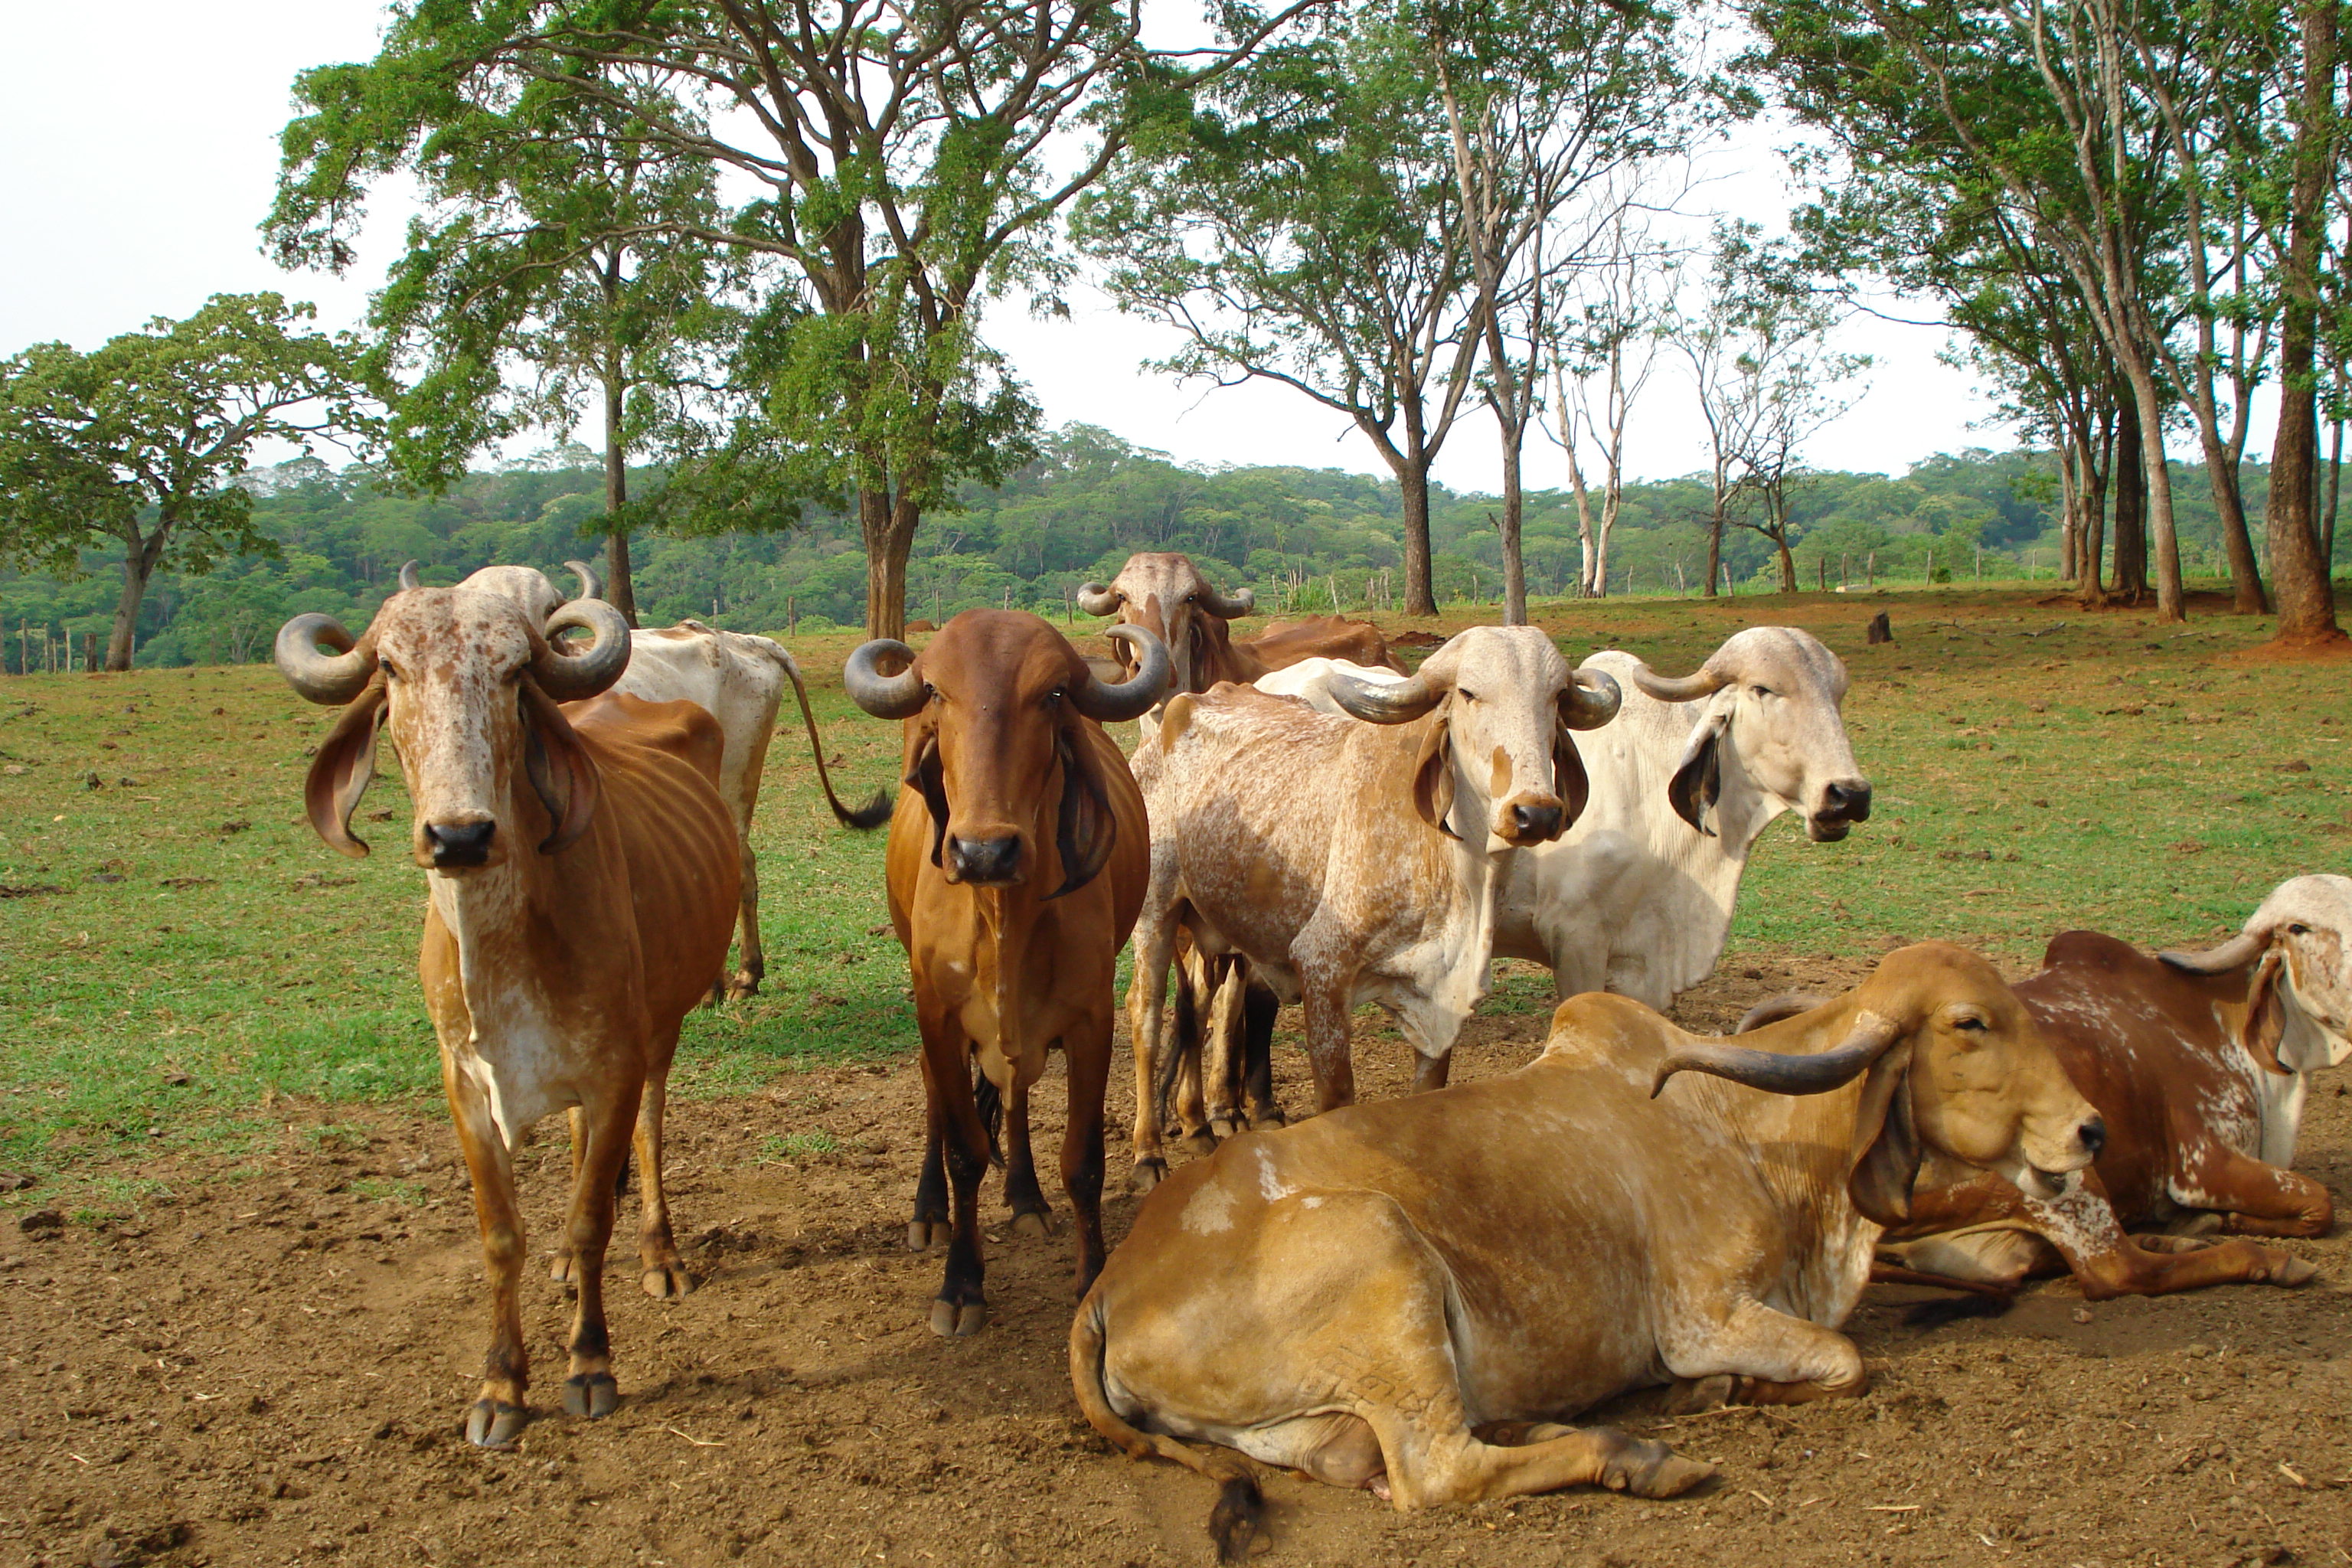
[1433, 775]
[1575, 790]
[1887, 1139]
[561, 772]
[340, 773]
[929, 778]
[2265, 1020]
[1083, 827]
[1697, 783]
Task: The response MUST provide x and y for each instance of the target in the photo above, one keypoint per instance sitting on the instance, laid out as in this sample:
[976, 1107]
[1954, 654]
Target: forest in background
[1075, 512]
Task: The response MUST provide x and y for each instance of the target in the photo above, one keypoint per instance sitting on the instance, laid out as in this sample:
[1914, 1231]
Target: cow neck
[1472, 877]
[1008, 919]
[494, 912]
[2277, 1098]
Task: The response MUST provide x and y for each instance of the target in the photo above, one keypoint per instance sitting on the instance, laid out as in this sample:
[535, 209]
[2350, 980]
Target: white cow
[1636, 897]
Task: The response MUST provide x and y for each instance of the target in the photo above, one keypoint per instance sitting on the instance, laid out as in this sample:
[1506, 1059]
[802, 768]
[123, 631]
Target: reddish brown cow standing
[1016, 865]
[580, 871]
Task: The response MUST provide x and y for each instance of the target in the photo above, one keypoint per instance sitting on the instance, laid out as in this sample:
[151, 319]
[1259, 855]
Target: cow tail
[989, 1101]
[867, 817]
[1240, 1510]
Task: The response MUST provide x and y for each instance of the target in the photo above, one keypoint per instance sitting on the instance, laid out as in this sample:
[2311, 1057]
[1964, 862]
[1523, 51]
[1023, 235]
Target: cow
[1164, 592]
[579, 873]
[1351, 861]
[1410, 1295]
[2200, 1064]
[1016, 866]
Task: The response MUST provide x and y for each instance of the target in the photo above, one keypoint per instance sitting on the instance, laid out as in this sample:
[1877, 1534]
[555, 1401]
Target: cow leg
[1755, 1356]
[1147, 992]
[1528, 1458]
[752, 962]
[560, 1270]
[1031, 1215]
[1430, 1071]
[1087, 1053]
[1184, 1114]
[2253, 1199]
[1260, 1007]
[665, 1272]
[589, 1390]
[2082, 1225]
[953, 1125]
[1221, 1053]
[499, 1413]
[1323, 1001]
[929, 1227]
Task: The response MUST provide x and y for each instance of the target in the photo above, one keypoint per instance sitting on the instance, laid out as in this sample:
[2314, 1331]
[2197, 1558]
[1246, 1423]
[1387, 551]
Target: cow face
[1773, 700]
[2300, 999]
[1164, 592]
[467, 680]
[1503, 723]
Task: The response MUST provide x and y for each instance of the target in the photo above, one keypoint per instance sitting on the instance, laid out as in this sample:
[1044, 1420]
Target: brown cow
[1164, 592]
[2199, 1064]
[579, 868]
[1017, 863]
[1407, 1295]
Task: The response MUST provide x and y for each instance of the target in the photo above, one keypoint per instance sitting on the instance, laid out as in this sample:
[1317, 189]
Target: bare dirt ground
[269, 1366]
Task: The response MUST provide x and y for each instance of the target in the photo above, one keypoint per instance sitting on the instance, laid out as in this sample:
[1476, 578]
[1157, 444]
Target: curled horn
[329, 678]
[408, 577]
[590, 585]
[1098, 599]
[900, 696]
[1703, 681]
[1392, 702]
[1109, 704]
[568, 676]
[2239, 950]
[1778, 1073]
[1591, 699]
[1225, 606]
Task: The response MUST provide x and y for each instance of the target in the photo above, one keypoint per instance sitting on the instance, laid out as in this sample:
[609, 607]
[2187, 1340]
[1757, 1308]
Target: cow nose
[2093, 1135]
[985, 861]
[459, 843]
[1847, 801]
[1536, 821]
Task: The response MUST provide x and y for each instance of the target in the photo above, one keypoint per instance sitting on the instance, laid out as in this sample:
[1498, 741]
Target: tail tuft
[1234, 1522]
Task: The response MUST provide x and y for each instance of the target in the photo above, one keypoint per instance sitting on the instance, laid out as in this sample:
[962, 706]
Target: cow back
[1285, 643]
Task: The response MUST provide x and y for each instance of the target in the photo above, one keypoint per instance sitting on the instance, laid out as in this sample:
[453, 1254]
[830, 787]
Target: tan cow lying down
[1405, 1295]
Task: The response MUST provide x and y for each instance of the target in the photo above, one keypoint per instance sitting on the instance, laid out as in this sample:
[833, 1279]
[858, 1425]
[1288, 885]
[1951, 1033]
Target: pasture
[239, 1277]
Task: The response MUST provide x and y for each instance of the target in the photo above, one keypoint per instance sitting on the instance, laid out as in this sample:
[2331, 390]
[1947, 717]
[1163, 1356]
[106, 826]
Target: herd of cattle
[1409, 1295]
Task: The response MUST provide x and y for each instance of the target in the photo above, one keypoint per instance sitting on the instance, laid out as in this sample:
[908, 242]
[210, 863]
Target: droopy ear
[340, 773]
[562, 772]
[1888, 1140]
[929, 777]
[1568, 777]
[1697, 783]
[2265, 1020]
[1083, 828]
[1432, 773]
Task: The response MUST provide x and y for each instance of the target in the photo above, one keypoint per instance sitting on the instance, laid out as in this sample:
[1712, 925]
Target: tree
[137, 441]
[553, 235]
[1614, 337]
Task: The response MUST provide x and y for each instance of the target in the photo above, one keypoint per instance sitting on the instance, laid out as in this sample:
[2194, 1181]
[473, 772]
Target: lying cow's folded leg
[589, 1389]
[2255, 1198]
[1771, 1357]
[2082, 1226]
[1460, 1468]
[664, 1273]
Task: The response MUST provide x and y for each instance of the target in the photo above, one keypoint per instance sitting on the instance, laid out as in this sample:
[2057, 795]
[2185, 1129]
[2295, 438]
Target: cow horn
[1591, 699]
[332, 680]
[1108, 704]
[2239, 950]
[1386, 702]
[1096, 599]
[1703, 681]
[900, 696]
[1777, 1072]
[1226, 607]
[590, 585]
[408, 577]
[568, 676]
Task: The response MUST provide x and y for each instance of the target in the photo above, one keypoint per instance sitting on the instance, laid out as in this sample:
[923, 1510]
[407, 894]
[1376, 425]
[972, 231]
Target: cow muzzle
[2041, 1172]
[453, 845]
[1844, 802]
[1529, 819]
[986, 862]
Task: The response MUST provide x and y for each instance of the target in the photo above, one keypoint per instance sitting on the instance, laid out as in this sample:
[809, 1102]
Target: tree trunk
[2307, 600]
[138, 560]
[889, 534]
[2335, 477]
[2070, 513]
[1587, 550]
[1788, 567]
[619, 591]
[2094, 504]
[1715, 542]
[1515, 569]
[2157, 477]
[2131, 503]
[1413, 486]
[2229, 501]
[1610, 500]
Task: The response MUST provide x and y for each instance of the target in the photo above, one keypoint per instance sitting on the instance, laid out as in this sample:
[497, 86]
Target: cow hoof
[591, 1395]
[2166, 1243]
[950, 1321]
[495, 1424]
[666, 1281]
[2286, 1269]
[742, 985]
[1033, 1224]
[1201, 1140]
[1272, 1119]
[1648, 1469]
[560, 1272]
[1223, 1127]
[1147, 1174]
[924, 1234]
[1693, 1396]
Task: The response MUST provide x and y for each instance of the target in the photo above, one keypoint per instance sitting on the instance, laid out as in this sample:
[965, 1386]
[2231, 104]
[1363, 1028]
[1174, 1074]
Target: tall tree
[137, 441]
[1612, 341]
[561, 264]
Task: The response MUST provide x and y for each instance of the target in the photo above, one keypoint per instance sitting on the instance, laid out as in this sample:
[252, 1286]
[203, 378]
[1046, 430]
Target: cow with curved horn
[1351, 862]
[1016, 862]
[1414, 1295]
[2200, 1064]
[579, 873]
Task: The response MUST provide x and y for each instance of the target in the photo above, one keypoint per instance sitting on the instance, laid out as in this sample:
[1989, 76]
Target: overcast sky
[142, 199]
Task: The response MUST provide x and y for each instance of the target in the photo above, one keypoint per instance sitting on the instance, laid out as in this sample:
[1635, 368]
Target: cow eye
[1054, 697]
[2298, 929]
[1465, 693]
[389, 673]
[1973, 1024]
[1763, 690]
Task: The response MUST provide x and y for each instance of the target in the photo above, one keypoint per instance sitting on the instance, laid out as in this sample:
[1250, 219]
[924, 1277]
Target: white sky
[143, 197]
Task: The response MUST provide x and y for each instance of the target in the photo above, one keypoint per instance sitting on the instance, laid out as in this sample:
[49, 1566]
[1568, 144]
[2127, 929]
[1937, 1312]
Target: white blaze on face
[451, 664]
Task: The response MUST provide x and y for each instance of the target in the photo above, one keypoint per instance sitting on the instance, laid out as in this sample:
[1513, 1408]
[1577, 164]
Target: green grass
[204, 957]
